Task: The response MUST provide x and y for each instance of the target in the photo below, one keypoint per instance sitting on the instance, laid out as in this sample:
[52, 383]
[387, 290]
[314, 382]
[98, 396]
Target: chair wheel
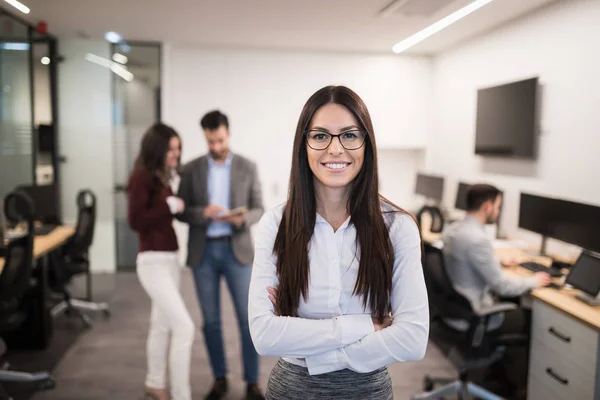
[48, 384]
[106, 313]
[428, 384]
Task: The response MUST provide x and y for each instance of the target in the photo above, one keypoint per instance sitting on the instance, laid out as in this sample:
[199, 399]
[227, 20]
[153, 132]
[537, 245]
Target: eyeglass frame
[336, 136]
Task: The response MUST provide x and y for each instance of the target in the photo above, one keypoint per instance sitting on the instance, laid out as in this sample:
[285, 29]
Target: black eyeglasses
[350, 140]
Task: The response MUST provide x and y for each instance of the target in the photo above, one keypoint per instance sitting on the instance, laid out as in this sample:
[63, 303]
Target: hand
[212, 210]
[176, 205]
[236, 220]
[273, 297]
[543, 279]
[387, 321]
[179, 205]
[510, 262]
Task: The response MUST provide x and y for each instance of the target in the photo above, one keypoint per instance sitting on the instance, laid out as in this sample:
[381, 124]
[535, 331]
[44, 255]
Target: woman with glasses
[337, 285]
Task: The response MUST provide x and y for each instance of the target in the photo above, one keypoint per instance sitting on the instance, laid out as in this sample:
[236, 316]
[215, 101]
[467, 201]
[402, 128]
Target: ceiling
[332, 25]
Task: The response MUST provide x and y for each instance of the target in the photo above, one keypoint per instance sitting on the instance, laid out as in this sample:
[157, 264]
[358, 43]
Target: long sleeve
[193, 215]
[406, 339]
[140, 213]
[484, 262]
[289, 336]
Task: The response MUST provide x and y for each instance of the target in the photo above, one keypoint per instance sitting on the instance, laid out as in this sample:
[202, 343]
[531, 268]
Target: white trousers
[160, 274]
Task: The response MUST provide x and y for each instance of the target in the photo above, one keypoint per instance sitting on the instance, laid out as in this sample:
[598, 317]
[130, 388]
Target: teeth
[335, 166]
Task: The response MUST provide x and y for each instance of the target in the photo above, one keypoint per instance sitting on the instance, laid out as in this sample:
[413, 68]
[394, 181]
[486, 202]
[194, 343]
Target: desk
[565, 339]
[44, 244]
[36, 331]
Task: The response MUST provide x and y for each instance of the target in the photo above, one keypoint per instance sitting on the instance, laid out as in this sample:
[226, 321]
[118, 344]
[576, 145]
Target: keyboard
[43, 229]
[555, 286]
[535, 267]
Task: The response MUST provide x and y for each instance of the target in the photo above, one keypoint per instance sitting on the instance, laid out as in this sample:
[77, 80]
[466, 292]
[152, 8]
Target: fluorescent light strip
[438, 26]
[19, 6]
[14, 46]
[122, 72]
[113, 66]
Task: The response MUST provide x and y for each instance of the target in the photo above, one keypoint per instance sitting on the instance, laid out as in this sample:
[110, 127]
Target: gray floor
[108, 361]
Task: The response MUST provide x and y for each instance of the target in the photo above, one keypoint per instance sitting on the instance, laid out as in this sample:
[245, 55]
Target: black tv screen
[506, 119]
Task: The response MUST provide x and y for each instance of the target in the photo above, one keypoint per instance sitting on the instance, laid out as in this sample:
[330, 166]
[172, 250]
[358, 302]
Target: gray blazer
[244, 191]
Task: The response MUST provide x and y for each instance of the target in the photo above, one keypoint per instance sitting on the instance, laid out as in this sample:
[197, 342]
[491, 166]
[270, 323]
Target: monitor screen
[430, 186]
[45, 202]
[461, 196]
[585, 274]
[506, 119]
[567, 221]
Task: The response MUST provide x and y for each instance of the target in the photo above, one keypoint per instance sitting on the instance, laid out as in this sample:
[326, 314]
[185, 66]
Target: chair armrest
[495, 309]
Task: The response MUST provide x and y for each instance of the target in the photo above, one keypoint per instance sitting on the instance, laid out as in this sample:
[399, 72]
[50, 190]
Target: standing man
[220, 244]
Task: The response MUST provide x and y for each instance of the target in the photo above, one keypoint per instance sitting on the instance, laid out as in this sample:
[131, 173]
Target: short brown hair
[479, 194]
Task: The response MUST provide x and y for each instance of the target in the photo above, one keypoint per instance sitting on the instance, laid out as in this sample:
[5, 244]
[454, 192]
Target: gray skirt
[290, 382]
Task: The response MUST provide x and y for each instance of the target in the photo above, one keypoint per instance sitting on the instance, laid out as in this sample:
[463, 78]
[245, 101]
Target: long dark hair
[153, 153]
[374, 281]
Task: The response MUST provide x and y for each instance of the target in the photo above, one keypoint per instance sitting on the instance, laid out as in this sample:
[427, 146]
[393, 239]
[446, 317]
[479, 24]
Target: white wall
[263, 93]
[559, 44]
[85, 120]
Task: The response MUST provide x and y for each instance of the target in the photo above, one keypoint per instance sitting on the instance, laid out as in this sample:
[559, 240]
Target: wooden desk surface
[563, 300]
[46, 243]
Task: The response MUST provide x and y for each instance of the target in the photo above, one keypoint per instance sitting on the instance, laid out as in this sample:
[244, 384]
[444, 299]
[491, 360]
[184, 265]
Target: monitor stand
[589, 300]
[541, 252]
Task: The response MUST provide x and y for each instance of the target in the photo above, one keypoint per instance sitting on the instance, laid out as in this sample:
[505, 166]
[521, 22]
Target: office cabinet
[564, 356]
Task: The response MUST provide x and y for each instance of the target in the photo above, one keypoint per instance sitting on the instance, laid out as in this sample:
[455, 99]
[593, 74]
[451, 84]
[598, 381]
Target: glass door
[16, 139]
[136, 106]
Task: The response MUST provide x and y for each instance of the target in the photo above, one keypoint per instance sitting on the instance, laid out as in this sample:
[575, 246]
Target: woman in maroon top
[150, 213]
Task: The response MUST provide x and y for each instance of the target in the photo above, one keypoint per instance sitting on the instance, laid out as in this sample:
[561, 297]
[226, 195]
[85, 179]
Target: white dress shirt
[333, 331]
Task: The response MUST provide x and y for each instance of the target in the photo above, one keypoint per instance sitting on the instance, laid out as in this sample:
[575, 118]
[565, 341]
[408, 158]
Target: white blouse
[333, 331]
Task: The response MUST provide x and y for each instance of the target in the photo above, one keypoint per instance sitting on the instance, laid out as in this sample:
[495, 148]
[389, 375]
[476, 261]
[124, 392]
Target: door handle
[120, 188]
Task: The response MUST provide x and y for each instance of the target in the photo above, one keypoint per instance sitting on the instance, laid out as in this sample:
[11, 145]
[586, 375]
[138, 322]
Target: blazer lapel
[234, 180]
[203, 180]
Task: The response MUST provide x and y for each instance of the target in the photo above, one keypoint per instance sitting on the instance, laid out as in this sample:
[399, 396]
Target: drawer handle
[557, 377]
[566, 339]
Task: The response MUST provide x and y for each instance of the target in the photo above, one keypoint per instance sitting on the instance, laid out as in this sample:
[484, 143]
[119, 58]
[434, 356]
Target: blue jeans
[219, 260]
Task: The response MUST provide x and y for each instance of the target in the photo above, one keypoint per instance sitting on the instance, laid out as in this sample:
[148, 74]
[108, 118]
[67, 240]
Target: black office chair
[74, 260]
[475, 348]
[15, 280]
[437, 218]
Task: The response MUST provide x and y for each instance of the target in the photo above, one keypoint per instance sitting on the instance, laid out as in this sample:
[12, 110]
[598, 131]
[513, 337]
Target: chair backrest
[19, 208]
[86, 222]
[445, 301]
[18, 258]
[435, 214]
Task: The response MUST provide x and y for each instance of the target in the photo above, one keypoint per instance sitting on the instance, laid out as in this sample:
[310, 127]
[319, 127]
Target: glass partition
[16, 139]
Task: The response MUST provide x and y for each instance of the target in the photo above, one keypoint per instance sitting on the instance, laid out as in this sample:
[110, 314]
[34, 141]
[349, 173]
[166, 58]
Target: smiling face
[335, 166]
[172, 157]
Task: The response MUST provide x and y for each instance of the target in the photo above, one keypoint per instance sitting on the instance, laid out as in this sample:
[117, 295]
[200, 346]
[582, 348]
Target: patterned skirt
[292, 382]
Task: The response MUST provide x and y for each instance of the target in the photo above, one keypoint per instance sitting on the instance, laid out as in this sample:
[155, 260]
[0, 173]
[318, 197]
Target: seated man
[474, 270]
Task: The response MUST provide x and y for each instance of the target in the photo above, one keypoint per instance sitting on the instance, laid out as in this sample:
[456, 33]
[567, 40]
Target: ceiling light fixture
[112, 37]
[113, 66]
[19, 6]
[45, 60]
[438, 26]
[120, 58]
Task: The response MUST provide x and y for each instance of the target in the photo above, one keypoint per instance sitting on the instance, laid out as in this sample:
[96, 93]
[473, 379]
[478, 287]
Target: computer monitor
[585, 275]
[567, 221]
[44, 201]
[461, 196]
[430, 186]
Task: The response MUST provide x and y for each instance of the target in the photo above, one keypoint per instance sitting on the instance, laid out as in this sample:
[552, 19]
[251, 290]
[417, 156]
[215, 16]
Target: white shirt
[333, 331]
